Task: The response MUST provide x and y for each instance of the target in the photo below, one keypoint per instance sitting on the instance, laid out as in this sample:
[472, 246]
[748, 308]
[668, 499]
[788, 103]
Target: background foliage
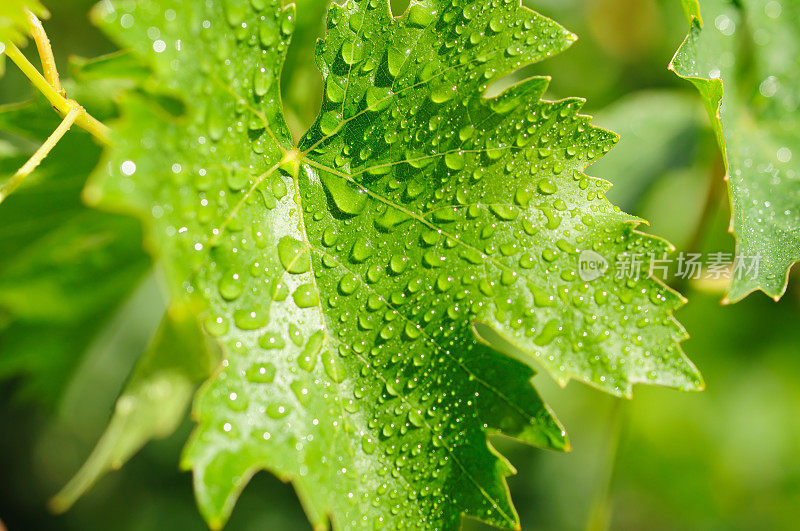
[726, 458]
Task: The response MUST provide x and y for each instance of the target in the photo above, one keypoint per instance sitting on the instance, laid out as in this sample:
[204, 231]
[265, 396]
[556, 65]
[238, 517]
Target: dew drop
[294, 255]
[306, 296]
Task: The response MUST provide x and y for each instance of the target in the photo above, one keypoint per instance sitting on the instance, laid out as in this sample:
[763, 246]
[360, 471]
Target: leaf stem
[45, 52]
[13, 183]
[63, 105]
[600, 511]
[711, 202]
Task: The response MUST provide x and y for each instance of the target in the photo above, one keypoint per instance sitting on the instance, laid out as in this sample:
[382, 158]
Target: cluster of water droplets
[758, 115]
[343, 289]
[428, 160]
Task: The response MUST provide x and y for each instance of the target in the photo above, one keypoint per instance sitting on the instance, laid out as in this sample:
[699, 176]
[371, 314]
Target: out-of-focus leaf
[745, 61]
[64, 275]
[301, 83]
[658, 131]
[154, 400]
[14, 21]
[118, 65]
[63, 267]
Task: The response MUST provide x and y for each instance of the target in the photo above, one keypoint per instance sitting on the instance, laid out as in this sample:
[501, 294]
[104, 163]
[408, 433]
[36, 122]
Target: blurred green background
[727, 458]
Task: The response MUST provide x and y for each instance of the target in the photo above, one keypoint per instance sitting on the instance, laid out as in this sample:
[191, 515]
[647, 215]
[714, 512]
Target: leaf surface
[363, 284]
[745, 62]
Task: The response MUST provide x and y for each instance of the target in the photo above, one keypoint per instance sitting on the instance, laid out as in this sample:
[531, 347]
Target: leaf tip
[567, 445]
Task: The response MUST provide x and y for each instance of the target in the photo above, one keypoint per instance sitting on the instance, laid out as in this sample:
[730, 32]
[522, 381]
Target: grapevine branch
[50, 86]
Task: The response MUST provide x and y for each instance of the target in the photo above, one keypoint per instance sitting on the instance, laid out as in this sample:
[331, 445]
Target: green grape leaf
[745, 62]
[14, 21]
[365, 283]
[153, 403]
[64, 267]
